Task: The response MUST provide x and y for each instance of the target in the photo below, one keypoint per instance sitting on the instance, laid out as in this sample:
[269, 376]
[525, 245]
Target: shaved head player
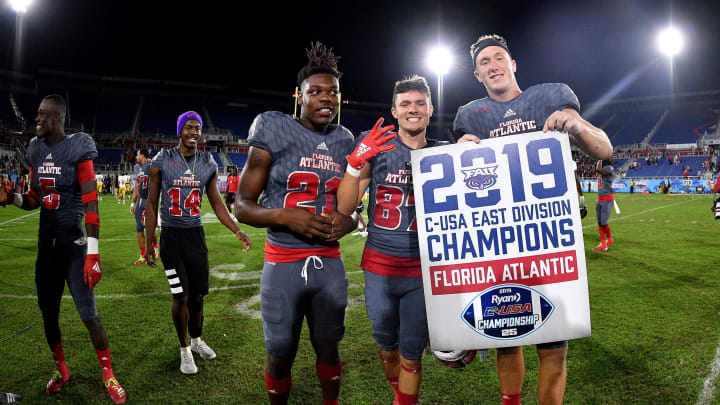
[63, 185]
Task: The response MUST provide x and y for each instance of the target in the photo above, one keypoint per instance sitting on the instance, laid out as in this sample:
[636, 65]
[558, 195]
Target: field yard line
[706, 395]
[15, 219]
[112, 296]
[638, 213]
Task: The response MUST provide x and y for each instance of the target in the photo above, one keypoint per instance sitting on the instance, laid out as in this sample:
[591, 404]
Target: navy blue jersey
[183, 185]
[306, 170]
[527, 112]
[55, 177]
[392, 228]
[142, 179]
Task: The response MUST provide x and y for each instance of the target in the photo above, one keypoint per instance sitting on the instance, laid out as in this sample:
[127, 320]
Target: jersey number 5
[51, 199]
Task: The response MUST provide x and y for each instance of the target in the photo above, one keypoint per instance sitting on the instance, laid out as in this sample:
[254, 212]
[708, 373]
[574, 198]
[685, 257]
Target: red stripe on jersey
[85, 171]
[390, 266]
[280, 254]
[91, 196]
[606, 197]
[92, 218]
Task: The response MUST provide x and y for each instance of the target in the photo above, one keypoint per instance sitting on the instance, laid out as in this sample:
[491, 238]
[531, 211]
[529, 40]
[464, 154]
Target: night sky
[589, 45]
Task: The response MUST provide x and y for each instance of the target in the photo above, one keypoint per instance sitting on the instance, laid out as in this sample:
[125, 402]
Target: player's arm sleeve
[88, 190]
[29, 200]
[559, 97]
[461, 124]
[86, 148]
[266, 133]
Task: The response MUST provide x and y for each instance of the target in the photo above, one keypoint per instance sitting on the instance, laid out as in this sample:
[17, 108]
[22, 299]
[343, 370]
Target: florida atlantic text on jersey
[54, 172]
[306, 171]
[183, 185]
[527, 112]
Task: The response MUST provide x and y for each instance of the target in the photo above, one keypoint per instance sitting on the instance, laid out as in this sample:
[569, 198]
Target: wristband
[132, 205]
[582, 201]
[353, 171]
[18, 200]
[92, 245]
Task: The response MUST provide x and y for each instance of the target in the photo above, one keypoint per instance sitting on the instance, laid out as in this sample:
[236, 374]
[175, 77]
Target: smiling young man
[508, 110]
[63, 185]
[294, 168]
[182, 174]
[391, 261]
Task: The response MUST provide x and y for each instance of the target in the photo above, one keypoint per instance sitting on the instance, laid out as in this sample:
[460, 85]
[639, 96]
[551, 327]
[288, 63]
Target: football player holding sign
[508, 110]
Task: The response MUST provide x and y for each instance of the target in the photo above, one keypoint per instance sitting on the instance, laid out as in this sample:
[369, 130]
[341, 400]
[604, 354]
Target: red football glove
[372, 145]
[92, 270]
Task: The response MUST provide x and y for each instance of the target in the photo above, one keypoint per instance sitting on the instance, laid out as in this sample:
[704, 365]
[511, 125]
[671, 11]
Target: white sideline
[15, 219]
[637, 213]
[706, 395]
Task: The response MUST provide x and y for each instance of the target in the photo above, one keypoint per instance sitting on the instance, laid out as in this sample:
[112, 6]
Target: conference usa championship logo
[480, 178]
[508, 311]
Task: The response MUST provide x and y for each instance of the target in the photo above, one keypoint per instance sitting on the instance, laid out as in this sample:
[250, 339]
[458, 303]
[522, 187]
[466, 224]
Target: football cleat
[117, 393]
[55, 384]
[601, 247]
[187, 363]
[200, 347]
[140, 261]
[10, 398]
[456, 358]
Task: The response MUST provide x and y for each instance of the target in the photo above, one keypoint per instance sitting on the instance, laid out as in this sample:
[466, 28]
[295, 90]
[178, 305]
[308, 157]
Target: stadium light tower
[439, 60]
[670, 41]
[20, 6]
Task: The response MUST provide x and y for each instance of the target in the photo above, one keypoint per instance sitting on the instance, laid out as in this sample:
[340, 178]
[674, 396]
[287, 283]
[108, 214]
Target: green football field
[654, 296]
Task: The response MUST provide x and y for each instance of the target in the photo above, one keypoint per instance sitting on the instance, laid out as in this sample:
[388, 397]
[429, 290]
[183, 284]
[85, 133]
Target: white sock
[195, 341]
[185, 349]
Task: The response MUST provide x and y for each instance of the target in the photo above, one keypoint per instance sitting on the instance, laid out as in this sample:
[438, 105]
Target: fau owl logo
[480, 178]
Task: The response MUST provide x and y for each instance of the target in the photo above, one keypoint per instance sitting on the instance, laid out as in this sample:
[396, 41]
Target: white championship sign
[501, 243]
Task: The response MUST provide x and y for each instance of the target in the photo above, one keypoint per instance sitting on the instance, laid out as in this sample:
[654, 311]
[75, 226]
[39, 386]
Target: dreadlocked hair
[321, 59]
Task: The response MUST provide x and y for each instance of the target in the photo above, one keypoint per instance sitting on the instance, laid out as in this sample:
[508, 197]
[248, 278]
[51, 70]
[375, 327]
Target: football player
[552, 107]
[121, 189]
[391, 261]
[182, 174]
[231, 188]
[294, 168]
[62, 184]
[139, 201]
[605, 202]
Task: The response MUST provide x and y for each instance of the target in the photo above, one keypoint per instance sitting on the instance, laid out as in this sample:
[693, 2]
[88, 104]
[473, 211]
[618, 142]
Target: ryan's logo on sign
[506, 312]
[480, 178]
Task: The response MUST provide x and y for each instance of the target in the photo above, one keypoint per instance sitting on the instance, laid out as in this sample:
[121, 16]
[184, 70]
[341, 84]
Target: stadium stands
[685, 125]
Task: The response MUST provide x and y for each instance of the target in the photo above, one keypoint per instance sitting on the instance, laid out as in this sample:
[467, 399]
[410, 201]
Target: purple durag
[185, 117]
